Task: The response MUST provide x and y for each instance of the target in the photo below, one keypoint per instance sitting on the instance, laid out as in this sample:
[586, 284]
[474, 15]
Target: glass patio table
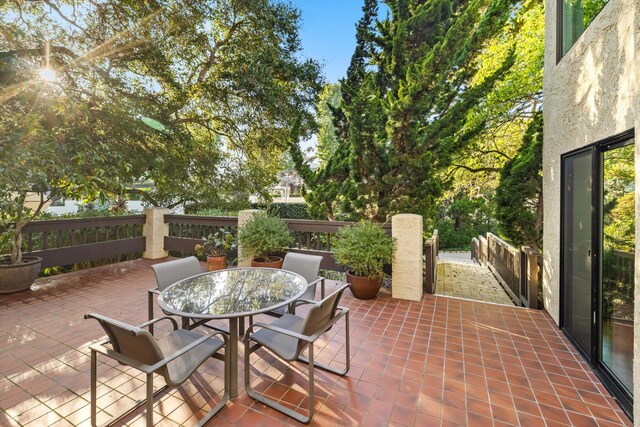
[231, 294]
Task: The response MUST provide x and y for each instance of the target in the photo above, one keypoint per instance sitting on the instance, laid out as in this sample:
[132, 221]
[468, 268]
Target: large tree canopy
[413, 80]
[197, 97]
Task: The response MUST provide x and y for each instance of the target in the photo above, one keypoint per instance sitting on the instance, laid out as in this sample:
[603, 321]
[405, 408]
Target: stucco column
[407, 275]
[244, 216]
[155, 230]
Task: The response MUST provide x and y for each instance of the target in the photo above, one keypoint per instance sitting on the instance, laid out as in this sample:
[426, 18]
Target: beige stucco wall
[591, 94]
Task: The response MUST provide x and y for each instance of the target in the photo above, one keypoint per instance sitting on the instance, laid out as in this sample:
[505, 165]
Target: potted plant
[216, 247]
[263, 237]
[364, 248]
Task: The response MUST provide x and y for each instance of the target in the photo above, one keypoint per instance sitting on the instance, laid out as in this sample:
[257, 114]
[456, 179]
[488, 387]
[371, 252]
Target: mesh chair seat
[178, 370]
[283, 345]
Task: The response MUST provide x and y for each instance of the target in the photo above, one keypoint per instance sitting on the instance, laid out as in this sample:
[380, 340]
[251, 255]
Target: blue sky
[329, 33]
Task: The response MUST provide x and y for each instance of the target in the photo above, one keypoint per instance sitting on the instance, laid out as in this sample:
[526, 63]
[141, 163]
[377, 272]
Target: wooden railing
[431, 250]
[315, 237]
[185, 231]
[517, 270]
[312, 237]
[71, 241]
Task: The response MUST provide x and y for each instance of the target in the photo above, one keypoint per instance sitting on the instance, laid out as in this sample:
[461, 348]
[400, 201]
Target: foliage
[328, 101]
[618, 199]
[461, 220]
[217, 244]
[507, 109]
[196, 97]
[288, 210]
[365, 248]
[263, 235]
[519, 194]
[214, 212]
[411, 83]
[42, 158]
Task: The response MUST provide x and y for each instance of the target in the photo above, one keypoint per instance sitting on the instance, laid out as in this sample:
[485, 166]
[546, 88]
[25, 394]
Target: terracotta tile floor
[439, 362]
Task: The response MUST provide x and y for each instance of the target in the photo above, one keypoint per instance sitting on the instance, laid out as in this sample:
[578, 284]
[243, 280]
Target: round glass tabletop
[232, 293]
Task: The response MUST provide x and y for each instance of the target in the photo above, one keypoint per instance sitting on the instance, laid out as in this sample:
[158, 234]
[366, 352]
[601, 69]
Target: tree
[508, 108]
[197, 97]
[328, 101]
[408, 90]
[519, 194]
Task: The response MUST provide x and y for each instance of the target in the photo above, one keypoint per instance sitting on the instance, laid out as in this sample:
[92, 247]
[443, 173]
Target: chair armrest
[321, 280]
[313, 282]
[186, 348]
[152, 321]
[247, 335]
[301, 301]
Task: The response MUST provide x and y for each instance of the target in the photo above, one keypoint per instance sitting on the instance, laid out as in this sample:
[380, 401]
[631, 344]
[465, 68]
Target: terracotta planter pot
[363, 287]
[18, 277]
[267, 262]
[215, 263]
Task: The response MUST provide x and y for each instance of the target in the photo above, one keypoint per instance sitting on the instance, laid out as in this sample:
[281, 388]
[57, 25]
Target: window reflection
[618, 244]
[576, 16]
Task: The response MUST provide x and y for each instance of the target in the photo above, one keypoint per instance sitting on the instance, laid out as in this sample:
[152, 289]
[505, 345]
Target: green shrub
[289, 210]
[365, 248]
[263, 235]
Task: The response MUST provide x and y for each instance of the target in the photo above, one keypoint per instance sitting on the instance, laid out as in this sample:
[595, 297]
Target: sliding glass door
[577, 249]
[618, 258]
[598, 259]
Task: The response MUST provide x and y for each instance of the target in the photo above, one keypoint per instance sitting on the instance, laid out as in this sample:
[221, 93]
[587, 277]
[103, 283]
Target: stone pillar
[407, 272]
[244, 216]
[155, 230]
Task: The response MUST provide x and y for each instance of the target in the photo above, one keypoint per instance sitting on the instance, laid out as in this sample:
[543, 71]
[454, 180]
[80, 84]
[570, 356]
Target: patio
[438, 362]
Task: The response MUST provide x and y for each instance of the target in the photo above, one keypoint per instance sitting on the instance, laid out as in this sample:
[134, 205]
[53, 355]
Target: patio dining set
[235, 295]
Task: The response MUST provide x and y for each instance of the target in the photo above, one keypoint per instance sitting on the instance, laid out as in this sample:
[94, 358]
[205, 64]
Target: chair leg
[225, 397]
[272, 403]
[149, 402]
[331, 369]
[94, 380]
[150, 310]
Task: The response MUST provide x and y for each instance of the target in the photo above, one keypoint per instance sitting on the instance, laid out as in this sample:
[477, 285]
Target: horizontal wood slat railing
[65, 242]
[310, 237]
[185, 231]
[517, 270]
[70, 241]
[431, 251]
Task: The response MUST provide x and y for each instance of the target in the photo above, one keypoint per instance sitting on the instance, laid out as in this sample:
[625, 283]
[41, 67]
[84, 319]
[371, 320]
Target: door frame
[593, 356]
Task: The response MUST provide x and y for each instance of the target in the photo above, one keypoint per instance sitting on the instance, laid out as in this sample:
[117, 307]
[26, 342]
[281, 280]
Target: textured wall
[591, 94]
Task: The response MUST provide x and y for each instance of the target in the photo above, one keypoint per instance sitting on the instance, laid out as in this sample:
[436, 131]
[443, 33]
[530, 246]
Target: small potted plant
[263, 237]
[364, 248]
[216, 247]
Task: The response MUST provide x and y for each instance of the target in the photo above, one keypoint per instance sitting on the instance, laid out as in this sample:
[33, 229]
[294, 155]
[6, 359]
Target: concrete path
[459, 276]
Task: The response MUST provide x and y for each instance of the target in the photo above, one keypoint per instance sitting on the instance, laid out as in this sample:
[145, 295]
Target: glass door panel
[618, 257]
[577, 248]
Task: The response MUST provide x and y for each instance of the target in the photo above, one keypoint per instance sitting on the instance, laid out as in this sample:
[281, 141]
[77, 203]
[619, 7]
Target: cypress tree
[405, 100]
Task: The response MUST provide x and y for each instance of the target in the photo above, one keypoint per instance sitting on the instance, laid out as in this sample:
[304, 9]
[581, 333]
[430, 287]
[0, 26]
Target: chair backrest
[171, 272]
[305, 265]
[320, 314]
[130, 341]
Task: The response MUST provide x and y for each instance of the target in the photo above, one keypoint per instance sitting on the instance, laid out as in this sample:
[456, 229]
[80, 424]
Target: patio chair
[288, 336]
[174, 356]
[308, 267]
[168, 273]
